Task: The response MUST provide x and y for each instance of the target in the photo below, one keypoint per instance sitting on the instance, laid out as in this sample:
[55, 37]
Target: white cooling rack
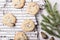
[7, 33]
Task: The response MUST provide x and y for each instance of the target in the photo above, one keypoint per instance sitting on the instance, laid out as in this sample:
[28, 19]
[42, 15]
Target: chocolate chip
[11, 39]
[15, 4]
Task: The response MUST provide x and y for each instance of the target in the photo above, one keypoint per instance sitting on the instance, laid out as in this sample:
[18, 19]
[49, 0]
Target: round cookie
[9, 19]
[32, 8]
[18, 3]
[28, 25]
[20, 36]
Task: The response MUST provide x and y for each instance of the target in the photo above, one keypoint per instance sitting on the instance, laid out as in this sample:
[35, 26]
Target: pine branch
[52, 20]
[49, 9]
[49, 31]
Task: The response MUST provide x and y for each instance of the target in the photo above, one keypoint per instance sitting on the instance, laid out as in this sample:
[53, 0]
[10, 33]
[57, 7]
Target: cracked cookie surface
[32, 8]
[9, 19]
[20, 36]
[28, 25]
[18, 3]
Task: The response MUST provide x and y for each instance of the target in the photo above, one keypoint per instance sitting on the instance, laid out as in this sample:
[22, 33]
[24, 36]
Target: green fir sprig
[51, 22]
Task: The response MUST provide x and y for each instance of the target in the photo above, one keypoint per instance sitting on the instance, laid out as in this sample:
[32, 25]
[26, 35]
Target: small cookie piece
[28, 25]
[18, 3]
[20, 36]
[32, 8]
[9, 19]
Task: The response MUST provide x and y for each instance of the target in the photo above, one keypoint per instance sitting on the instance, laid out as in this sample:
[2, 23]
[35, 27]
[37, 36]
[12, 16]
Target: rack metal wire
[7, 33]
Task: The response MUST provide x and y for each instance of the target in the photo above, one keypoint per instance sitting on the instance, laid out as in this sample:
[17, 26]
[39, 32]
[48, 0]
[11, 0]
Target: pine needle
[52, 20]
